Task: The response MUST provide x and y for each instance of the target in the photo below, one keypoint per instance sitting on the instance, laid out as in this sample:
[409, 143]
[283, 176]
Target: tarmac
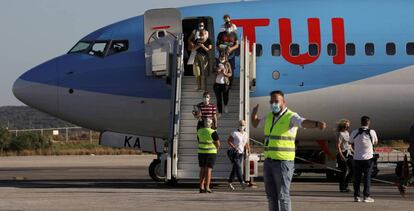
[122, 183]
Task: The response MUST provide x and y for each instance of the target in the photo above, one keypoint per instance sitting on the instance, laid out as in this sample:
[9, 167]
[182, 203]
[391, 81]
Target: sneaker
[208, 190]
[226, 109]
[368, 200]
[357, 199]
[231, 186]
[345, 191]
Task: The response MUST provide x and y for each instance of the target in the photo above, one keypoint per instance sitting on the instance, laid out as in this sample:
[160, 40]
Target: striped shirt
[207, 111]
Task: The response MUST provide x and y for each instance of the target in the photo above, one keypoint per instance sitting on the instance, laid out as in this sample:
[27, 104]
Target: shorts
[206, 160]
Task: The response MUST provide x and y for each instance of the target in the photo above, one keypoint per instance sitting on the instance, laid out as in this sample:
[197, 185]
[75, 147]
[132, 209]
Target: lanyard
[274, 122]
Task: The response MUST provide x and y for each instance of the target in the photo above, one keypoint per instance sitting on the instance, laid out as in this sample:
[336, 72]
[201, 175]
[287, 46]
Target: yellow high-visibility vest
[205, 141]
[280, 138]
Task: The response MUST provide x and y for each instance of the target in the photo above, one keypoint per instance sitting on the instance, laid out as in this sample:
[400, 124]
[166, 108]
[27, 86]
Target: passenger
[205, 110]
[238, 143]
[200, 45]
[208, 145]
[228, 42]
[280, 128]
[363, 139]
[227, 19]
[344, 156]
[221, 86]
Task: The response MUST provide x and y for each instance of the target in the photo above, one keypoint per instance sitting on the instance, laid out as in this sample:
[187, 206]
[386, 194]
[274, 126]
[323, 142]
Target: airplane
[334, 59]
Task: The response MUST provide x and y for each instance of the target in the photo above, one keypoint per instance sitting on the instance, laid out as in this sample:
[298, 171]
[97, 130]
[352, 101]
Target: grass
[74, 148]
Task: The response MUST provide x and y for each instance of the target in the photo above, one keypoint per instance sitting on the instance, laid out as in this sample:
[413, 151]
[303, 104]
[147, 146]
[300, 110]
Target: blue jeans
[277, 177]
[237, 169]
[362, 167]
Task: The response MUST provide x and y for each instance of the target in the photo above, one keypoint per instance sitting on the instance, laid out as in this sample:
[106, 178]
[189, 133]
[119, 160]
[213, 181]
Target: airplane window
[390, 49]
[369, 49]
[80, 47]
[313, 49]
[331, 49]
[118, 46]
[259, 50]
[98, 49]
[350, 49]
[410, 48]
[294, 49]
[276, 50]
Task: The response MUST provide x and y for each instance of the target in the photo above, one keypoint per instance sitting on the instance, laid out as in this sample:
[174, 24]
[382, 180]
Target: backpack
[362, 131]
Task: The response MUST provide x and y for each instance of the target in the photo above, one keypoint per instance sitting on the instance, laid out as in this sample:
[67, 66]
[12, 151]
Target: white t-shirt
[344, 145]
[364, 149]
[240, 140]
[220, 77]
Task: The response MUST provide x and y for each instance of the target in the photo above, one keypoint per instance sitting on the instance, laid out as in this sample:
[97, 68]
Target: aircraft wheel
[155, 171]
[173, 182]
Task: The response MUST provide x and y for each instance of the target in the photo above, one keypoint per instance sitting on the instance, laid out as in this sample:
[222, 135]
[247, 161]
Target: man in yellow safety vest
[208, 146]
[280, 128]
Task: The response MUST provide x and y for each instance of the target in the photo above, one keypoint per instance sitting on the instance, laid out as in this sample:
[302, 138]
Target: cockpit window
[80, 47]
[98, 49]
[118, 46]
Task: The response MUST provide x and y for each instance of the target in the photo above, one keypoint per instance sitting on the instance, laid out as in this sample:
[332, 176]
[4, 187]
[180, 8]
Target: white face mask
[229, 30]
[242, 128]
[275, 107]
[206, 100]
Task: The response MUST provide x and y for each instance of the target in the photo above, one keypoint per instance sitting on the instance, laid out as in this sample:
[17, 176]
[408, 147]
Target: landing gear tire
[173, 182]
[155, 171]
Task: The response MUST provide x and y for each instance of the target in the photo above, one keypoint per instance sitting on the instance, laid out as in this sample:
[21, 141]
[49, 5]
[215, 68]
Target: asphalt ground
[122, 183]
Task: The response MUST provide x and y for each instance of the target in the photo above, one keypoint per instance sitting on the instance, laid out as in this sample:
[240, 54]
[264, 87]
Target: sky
[34, 31]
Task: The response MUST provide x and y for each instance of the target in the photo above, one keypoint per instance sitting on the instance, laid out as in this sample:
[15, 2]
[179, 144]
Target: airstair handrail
[177, 74]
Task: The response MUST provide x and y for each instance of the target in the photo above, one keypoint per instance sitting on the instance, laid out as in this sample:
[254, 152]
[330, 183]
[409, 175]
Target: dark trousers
[346, 171]
[237, 168]
[362, 167]
[222, 94]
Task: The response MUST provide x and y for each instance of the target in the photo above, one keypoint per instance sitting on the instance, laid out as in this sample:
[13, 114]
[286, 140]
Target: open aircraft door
[162, 27]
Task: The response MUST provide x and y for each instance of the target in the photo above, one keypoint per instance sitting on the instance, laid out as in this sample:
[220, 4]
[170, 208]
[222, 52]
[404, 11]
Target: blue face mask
[275, 108]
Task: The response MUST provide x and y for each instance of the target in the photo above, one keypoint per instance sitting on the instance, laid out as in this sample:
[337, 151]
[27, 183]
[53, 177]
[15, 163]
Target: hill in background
[24, 117]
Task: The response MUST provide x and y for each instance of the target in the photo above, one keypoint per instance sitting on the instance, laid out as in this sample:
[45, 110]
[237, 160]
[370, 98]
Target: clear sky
[34, 31]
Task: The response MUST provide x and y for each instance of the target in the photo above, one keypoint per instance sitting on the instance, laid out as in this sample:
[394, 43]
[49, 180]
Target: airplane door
[161, 29]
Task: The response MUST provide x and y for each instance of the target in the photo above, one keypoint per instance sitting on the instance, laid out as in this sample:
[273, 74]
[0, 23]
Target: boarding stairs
[188, 145]
[182, 161]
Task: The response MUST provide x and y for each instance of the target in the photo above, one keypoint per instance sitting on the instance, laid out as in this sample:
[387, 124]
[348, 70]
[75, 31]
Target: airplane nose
[37, 88]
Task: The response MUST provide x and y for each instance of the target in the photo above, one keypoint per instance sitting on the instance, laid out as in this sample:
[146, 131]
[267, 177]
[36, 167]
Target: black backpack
[362, 131]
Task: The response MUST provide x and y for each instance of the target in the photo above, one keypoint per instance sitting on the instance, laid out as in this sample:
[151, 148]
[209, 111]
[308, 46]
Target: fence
[63, 134]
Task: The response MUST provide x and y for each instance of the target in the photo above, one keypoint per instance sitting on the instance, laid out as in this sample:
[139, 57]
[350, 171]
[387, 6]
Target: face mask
[206, 100]
[222, 61]
[275, 108]
[201, 27]
[228, 30]
[242, 128]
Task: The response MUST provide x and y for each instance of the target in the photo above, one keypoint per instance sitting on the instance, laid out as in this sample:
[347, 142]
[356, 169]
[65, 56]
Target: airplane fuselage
[113, 93]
